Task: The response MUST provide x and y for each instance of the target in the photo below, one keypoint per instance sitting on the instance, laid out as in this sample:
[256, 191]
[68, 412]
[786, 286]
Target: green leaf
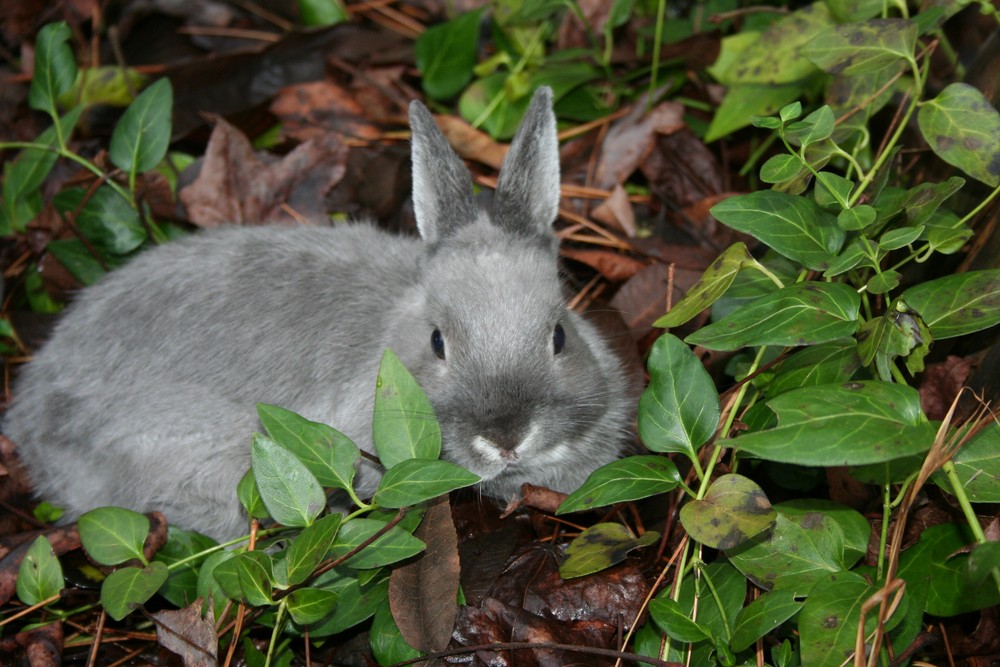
[387, 643]
[181, 586]
[328, 454]
[291, 494]
[862, 252]
[828, 363]
[900, 332]
[790, 112]
[846, 424]
[311, 605]
[815, 127]
[446, 53]
[749, 100]
[805, 313]
[958, 304]
[249, 496]
[129, 588]
[900, 238]
[922, 201]
[40, 576]
[246, 577]
[763, 615]
[416, 480]
[601, 546]
[805, 544]
[977, 465]
[828, 622]
[620, 481]
[714, 282]
[833, 190]
[356, 603]
[679, 410]
[55, 68]
[140, 139]
[863, 47]
[857, 217]
[793, 226]
[111, 223]
[113, 535]
[854, 10]
[781, 167]
[963, 129]
[107, 85]
[76, 258]
[309, 548]
[403, 424]
[883, 282]
[391, 547]
[670, 618]
[984, 559]
[322, 12]
[733, 510]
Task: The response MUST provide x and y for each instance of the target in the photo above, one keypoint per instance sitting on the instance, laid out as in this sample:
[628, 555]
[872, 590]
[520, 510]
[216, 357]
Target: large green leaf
[853, 423]
[714, 282]
[55, 68]
[181, 586]
[403, 423]
[310, 547]
[733, 510]
[899, 332]
[111, 223]
[310, 605]
[963, 128]
[958, 304]
[246, 577]
[128, 588]
[828, 622]
[630, 478]
[679, 410]
[763, 615]
[793, 226]
[416, 480]
[601, 546]
[446, 53]
[289, 491]
[863, 47]
[40, 576]
[953, 589]
[390, 547]
[801, 314]
[328, 454]
[113, 535]
[827, 363]
[141, 137]
[977, 465]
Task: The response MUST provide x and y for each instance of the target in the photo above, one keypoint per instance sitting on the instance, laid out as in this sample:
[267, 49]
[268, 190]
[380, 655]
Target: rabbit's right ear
[442, 187]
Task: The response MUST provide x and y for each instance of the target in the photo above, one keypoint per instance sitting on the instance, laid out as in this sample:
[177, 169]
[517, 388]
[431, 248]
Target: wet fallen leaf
[188, 634]
[311, 110]
[631, 139]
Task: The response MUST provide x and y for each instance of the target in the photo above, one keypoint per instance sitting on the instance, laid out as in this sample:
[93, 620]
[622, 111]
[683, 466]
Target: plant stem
[884, 534]
[661, 8]
[279, 621]
[970, 514]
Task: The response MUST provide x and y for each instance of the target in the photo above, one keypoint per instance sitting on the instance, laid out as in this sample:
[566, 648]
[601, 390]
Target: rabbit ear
[527, 196]
[442, 187]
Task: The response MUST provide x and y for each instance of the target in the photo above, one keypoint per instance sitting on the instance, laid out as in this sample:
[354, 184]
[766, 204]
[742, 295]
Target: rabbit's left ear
[527, 196]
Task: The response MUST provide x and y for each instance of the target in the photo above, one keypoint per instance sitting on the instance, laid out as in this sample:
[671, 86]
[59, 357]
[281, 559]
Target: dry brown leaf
[188, 634]
[39, 647]
[630, 140]
[237, 186]
[942, 382]
[680, 169]
[614, 266]
[423, 593]
[643, 299]
[470, 143]
[310, 110]
[617, 211]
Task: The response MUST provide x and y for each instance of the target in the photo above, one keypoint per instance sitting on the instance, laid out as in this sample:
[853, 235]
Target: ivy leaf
[630, 478]
[670, 618]
[391, 547]
[246, 577]
[714, 282]
[130, 587]
[290, 492]
[309, 548]
[403, 424]
[863, 47]
[801, 314]
[733, 510]
[853, 423]
[40, 576]
[601, 546]
[140, 139]
[958, 304]
[55, 68]
[963, 129]
[113, 535]
[679, 410]
[416, 480]
[328, 454]
[763, 615]
[793, 226]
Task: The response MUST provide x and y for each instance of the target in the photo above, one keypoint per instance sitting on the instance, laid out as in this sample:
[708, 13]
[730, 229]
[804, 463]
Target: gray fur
[145, 396]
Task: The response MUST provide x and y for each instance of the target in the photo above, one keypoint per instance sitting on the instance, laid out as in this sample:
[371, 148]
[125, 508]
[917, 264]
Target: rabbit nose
[504, 438]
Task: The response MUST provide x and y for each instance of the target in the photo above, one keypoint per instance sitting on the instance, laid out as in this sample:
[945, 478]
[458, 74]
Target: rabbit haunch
[145, 396]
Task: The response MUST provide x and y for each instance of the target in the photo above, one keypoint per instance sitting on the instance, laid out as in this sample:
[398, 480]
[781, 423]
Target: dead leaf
[643, 299]
[680, 169]
[470, 143]
[188, 634]
[39, 647]
[631, 138]
[942, 382]
[614, 266]
[310, 110]
[617, 211]
[236, 185]
[423, 594]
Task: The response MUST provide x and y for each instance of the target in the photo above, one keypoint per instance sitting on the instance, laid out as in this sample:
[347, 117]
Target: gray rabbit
[145, 396]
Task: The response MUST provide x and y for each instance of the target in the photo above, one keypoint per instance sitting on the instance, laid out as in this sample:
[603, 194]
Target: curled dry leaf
[310, 110]
[470, 143]
[238, 186]
[614, 266]
[189, 634]
[680, 168]
[617, 211]
[631, 138]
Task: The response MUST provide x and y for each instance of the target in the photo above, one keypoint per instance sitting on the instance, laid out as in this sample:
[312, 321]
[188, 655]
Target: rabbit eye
[437, 343]
[558, 339]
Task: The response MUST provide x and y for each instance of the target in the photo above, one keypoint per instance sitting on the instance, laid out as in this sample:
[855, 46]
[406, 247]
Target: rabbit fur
[145, 395]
